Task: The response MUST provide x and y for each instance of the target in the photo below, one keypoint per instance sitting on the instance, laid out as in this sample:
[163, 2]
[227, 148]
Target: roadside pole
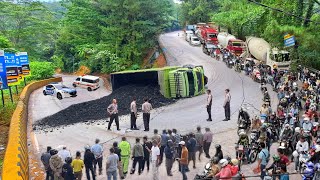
[17, 92]
[2, 97]
[10, 94]
[25, 82]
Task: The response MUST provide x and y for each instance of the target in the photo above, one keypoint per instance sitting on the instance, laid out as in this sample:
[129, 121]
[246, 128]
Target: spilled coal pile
[96, 109]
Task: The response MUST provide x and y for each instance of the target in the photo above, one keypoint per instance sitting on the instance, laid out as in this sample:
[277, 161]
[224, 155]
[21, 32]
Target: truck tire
[89, 89]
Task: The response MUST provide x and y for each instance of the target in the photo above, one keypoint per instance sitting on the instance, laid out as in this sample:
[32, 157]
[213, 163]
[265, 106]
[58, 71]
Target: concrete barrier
[16, 162]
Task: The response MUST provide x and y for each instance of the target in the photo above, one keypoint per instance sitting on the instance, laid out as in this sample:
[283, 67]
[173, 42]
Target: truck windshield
[195, 39]
[212, 35]
[282, 57]
[237, 44]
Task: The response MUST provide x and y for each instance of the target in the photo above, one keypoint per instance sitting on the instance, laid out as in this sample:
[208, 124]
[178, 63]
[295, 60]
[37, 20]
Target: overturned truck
[174, 82]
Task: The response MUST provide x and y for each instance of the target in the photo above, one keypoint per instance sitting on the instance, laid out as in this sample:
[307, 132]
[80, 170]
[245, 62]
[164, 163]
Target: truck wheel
[44, 92]
[89, 89]
[74, 85]
[59, 96]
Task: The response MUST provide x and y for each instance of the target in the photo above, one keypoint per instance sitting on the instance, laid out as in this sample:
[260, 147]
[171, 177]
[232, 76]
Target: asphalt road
[184, 115]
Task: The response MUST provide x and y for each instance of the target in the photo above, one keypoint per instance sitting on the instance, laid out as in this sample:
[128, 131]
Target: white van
[88, 82]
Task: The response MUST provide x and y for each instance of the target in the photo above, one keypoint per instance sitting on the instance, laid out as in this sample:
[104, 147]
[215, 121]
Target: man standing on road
[146, 108]
[77, 165]
[125, 154]
[263, 157]
[156, 137]
[169, 153]
[199, 139]
[137, 156]
[45, 159]
[226, 105]
[146, 145]
[164, 141]
[133, 109]
[64, 153]
[88, 163]
[113, 112]
[118, 152]
[155, 159]
[207, 140]
[97, 151]
[184, 160]
[191, 146]
[209, 104]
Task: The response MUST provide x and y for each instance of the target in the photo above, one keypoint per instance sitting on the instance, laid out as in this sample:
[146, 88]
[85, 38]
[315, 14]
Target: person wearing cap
[64, 153]
[184, 160]
[306, 125]
[88, 163]
[97, 151]
[207, 140]
[169, 154]
[226, 105]
[225, 172]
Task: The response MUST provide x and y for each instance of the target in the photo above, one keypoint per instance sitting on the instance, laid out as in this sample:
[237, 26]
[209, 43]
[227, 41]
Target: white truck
[261, 50]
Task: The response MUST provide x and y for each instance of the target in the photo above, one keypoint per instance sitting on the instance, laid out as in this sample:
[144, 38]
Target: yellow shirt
[77, 165]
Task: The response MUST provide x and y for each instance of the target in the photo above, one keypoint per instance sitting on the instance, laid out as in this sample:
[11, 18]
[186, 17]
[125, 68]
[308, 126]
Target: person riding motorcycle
[225, 172]
[243, 114]
[307, 125]
[287, 132]
[215, 168]
[244, 141]
[256, 124]
[316, 156]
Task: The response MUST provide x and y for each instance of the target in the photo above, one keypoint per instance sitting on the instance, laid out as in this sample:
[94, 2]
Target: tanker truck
[261, 50]
[230, 42]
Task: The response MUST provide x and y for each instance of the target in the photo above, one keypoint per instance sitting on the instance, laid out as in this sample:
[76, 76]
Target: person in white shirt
[155, 159]
[64, 153]
[301, 147]
[226, 105]
[133, 118]
[209, 104]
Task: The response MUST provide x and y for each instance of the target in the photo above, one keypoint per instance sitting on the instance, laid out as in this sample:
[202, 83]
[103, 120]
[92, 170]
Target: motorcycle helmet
[223, 162]
[215, 160]
[297, 129]
[287, 125]
[317, 167]
[235, 162]
[218, 146]
[68, 160]
[276, 158]
[310, 165]
[53, 152]
[305, 135]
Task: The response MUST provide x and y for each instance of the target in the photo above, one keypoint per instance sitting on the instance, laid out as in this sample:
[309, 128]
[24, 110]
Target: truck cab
[207, 34]
[236, 46]
[279, 58]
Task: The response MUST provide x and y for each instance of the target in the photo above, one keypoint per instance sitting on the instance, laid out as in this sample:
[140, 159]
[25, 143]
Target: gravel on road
[96, 109]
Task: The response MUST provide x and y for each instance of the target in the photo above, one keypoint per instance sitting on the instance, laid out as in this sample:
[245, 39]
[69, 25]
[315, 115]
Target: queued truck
[208, 34]
[261, 50]
[231, 43]
[174, 82]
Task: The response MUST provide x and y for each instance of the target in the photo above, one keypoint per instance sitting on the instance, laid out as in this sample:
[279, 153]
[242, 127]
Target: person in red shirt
[283, 158]
[234, 167]
[225, 172]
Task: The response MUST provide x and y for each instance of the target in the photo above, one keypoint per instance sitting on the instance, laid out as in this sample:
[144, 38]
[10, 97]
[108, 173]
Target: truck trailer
[173, 81]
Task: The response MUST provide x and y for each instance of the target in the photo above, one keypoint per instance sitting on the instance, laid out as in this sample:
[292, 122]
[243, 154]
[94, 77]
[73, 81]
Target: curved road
[184, 115]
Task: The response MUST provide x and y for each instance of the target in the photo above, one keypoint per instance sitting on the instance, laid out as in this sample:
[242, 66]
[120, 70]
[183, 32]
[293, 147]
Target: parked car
[59, 90]
[88, 82]
[194, 40]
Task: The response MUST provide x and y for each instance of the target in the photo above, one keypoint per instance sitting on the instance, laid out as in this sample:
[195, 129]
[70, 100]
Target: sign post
[24, 62]
[12, 69]
[289, 40]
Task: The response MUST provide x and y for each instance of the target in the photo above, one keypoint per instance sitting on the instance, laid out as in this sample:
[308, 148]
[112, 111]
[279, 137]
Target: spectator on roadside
[64, 153]
[207, 140]
[191, 146]
[45, 159]
[134, 113]
[137, 156]
[77, 165]
[112, 165]
[155, 159]
[146, 160]
[226, 105]
[169, 153]
[164, 141]
[125, 154]
[156, 137]
[118, 152]
[263, 159]
[113, 112]
[88, 163]
[67, 171]
[97, 151]
[146, 108]
[177, 138]
[56, 164]
[199, 139]
[209, 104]
[170, 135]
[184, 160]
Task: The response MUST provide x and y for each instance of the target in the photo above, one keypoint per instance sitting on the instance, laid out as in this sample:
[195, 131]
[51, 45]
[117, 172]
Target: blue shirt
[97, 150]
[284, 177]
[263, 155]
[192, 145]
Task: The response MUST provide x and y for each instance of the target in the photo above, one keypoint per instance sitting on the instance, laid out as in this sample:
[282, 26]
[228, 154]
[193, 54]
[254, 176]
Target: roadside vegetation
[244, 18]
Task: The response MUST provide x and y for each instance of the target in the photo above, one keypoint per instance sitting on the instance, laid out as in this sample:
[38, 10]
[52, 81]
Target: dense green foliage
[41, 70]
[243, 18]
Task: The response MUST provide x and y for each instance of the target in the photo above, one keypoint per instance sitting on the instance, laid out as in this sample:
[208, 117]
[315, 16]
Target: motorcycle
[302, 159]
[254, 151]
[285, 145]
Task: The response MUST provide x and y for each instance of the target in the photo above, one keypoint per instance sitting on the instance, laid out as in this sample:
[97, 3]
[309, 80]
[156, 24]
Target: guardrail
[16, 161]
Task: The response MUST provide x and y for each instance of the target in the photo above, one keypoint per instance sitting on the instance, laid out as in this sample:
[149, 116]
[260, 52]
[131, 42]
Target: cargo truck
[207, 34]
[261, 50]
[174, 82]
[230, 42]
